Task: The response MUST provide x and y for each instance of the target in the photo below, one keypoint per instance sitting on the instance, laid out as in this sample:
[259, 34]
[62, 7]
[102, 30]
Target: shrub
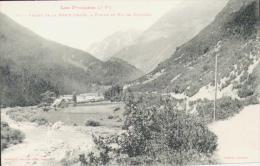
[236, 85]
[205, 68]
[110, 117]
[205, 110]
[158, 130]
[178, 89]
[74, 99]
[226, 84]
[46, 109]
[192, 90]
[244, 76]
[114, 93]
[248, 87]
[226, 107]
[245, 91]
[39, 120]
[119, 120]
[251, 100]
[48, 97]
[102, 155]
[21, 114]
[10, 136]
[92, 123]
[116, 109]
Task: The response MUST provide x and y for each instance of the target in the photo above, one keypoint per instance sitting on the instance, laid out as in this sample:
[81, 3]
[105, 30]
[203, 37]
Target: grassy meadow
[106, 114]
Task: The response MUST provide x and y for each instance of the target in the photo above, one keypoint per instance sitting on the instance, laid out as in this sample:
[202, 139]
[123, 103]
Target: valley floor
[45, 145]
[238, 137]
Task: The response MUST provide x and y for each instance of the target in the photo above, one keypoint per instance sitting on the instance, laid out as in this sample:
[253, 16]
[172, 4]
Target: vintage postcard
[130, 82]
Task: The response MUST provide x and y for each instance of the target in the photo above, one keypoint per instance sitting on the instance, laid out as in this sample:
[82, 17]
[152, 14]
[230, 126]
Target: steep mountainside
[128, 72]
[19, 86]
[110, 45]
[177, 26]
[232, 36]
[25, 55]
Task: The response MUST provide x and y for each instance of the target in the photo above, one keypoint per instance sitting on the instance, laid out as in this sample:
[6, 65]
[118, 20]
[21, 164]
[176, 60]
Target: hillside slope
[25, 55]
[176, 27]
[232, 36]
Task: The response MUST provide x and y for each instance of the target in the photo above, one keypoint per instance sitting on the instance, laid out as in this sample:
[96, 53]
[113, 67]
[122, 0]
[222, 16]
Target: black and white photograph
[130, 83]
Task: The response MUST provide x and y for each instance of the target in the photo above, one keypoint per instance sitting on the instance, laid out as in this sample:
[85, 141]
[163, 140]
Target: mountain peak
[159, 41]
[113, 43]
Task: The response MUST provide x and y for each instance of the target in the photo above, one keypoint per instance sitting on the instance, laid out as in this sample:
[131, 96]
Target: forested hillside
[31, 64]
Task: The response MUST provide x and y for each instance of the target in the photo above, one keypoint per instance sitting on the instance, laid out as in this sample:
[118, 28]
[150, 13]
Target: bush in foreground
[92, 123]
[158, 131]
[155, 135]
[10, 136]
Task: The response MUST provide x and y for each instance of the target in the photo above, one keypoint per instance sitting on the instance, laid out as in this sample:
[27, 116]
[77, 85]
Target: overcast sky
[91, 21]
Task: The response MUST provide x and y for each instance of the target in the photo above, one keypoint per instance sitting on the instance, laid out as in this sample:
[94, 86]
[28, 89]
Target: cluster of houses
[65, 100]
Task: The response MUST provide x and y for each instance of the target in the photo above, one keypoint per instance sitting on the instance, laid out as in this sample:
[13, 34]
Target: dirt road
[239, 137]
[46, 145]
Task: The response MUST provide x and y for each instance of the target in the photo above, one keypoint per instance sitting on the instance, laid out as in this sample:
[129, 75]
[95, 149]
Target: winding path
[239, 137]
[43, 145]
